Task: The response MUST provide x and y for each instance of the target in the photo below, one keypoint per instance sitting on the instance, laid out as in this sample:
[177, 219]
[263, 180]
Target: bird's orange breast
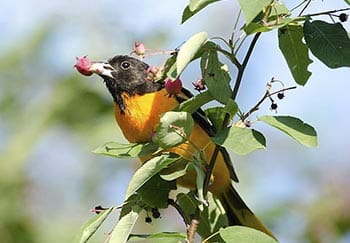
[142, 114]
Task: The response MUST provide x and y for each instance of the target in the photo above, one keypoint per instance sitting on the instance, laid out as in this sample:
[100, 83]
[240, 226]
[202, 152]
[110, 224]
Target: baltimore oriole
[139, 103]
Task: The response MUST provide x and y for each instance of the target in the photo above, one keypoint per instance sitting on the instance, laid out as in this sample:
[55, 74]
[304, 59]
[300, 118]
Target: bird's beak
[103, 69]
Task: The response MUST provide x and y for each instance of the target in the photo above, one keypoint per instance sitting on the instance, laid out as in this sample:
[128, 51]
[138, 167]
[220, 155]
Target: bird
[138, 105]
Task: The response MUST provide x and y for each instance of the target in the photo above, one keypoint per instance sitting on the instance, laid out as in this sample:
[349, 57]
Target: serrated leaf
[155, 192]
[147, 170]
[330, 43]
[244, 235]
[194, 7]
[295, 52]
[174, 128]
[216, 76]
[240, 140]
[163, 237]
[131, 150]
[294, 127]
[188, 51]
[90, 227]
[194, 103]
[252, 8]
[121, 231]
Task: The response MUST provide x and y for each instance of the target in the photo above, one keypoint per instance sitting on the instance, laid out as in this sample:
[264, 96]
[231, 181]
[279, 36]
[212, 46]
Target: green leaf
[199, 180]
[188, 203]
[328, 42]
[216, 76]
[254, 27]
[252, 8]
[174, 128]
[121, 231]
[212, 218]
[240, 140]
[194, 7]
[295, 52]
[155, 192]
[131, 150]
[294, 127]
[188, 51]
[163, 237]
[90, 227]
[147, 170]
[194, 103]
[244, 235]
[347, 1]
[175, 170]
[217, 114]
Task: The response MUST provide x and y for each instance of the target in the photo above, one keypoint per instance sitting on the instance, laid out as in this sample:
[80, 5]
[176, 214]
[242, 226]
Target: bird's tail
[238, 212]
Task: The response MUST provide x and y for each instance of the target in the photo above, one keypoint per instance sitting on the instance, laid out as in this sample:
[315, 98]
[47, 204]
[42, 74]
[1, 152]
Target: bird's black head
[125, 74]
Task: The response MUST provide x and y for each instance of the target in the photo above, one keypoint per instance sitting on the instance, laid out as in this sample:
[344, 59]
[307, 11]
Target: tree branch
[244, 65]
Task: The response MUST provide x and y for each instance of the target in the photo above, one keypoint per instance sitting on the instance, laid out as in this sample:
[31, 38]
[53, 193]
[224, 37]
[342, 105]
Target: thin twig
[266, 95]
[327, 12]
[244, 65]
[209, 171]
[172, 203]
[305, 7]
[297, 6]
[192, 228]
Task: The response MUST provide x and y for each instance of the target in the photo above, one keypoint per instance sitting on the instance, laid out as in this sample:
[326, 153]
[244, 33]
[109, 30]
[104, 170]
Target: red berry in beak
[83, 65]
[173, 87]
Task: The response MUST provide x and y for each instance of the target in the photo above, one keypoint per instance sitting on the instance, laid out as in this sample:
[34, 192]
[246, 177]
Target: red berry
[139, 49]
[173, 87]
[83, 65]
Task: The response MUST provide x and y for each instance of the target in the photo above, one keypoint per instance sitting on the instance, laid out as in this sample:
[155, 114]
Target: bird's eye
[125, 65]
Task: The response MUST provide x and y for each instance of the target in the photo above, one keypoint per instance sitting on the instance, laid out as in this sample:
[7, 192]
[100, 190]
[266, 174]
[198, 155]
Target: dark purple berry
[343, 17]
[280, 95]
[273, 106]
[148, 220]
[155, 213]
